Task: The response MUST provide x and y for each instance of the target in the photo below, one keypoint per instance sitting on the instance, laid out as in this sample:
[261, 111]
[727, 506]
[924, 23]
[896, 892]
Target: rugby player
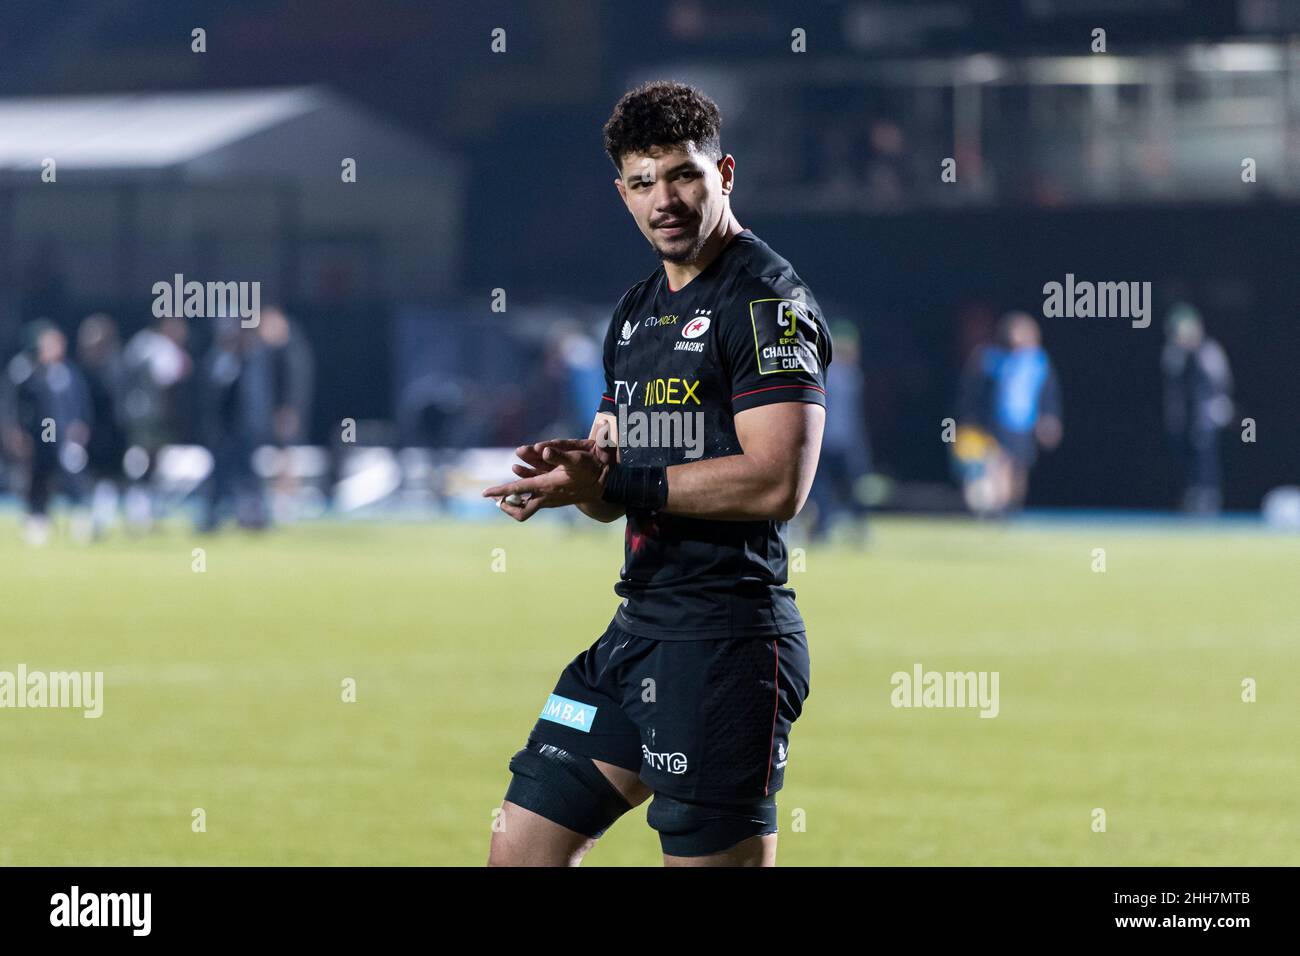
[690, 694]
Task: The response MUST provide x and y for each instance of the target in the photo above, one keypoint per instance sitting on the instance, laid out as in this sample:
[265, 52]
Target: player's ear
[727, 169]
[622, 190]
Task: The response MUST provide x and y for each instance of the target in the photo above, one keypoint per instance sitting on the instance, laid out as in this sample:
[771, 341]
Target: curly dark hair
[663, 114]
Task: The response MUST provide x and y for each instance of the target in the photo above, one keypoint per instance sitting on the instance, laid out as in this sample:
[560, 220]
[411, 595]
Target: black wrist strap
[643, 487]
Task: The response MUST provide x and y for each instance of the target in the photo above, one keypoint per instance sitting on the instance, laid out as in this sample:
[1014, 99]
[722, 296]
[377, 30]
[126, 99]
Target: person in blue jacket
[1010, 391]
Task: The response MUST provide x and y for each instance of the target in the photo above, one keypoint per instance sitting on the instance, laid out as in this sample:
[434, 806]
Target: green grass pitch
[1119, 690]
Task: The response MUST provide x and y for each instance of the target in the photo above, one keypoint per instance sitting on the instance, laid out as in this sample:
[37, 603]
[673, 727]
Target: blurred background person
[53, 427]
[559, 393]
[292, 370]
[838, 488]
[887, 167]
[1198, 405]
[99, 355]
[1011, 398]
[236, 402]
[156, 368]
[584, 367]
[550, 387]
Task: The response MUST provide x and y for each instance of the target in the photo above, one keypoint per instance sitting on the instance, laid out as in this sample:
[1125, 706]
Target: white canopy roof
[202, 133]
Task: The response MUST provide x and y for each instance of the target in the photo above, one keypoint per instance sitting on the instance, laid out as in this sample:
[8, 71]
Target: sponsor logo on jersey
[659, 391]
[570, 713]
[628, 328]
[788, 320]
[669, 762]
[671, 391]
[662, 320]
[785, 336]
[676, 429]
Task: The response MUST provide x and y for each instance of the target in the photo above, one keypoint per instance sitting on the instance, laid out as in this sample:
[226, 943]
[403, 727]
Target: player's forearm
[601, 510]
[735, 488]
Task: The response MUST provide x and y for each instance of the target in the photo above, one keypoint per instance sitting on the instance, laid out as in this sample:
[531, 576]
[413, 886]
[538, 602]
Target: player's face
[677, 196]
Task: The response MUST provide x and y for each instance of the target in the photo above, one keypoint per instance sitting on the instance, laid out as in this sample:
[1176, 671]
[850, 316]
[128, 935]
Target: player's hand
[560, 472]
[600, 445]
[535, 464]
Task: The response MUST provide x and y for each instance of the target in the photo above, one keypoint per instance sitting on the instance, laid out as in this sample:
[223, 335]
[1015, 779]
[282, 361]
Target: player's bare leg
[756, 851]
[525, 838]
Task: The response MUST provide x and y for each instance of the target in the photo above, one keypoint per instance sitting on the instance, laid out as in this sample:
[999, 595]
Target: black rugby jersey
[678, 367]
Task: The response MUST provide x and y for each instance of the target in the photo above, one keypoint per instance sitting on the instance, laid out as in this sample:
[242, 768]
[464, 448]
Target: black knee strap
[688, 828]
[566, 788]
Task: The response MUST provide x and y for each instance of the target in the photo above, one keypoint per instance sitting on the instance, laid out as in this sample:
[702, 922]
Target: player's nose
[666, 198]
[669, 205]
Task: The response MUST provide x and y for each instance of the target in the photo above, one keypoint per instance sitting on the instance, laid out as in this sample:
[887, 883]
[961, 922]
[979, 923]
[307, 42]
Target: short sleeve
[775, 349]
[618, 327]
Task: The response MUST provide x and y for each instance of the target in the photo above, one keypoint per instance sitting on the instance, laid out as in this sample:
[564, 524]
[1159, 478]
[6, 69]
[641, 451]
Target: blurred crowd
[90, 418]
[1010, 408]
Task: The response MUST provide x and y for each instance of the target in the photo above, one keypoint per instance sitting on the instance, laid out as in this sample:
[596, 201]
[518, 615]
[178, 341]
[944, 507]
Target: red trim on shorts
[775, 701]
[817, 388]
